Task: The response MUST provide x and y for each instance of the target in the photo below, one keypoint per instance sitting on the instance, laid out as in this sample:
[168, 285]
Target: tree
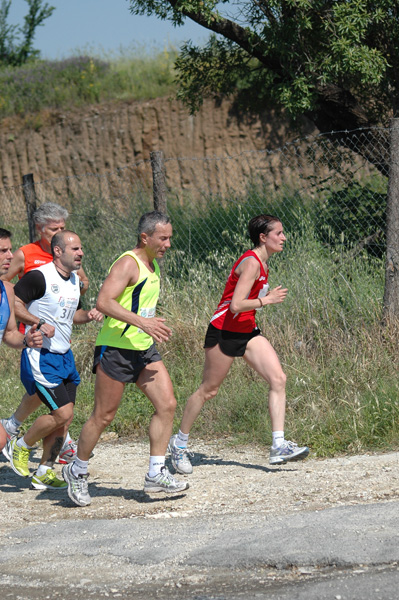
[13, 50]
[336, 61]
[333, 61]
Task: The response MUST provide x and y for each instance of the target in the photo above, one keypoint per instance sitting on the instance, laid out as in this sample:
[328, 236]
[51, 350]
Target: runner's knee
[103, 419]
[63, 415]
[278, 380]
[208, 393]
[167, 406]
[170, 404]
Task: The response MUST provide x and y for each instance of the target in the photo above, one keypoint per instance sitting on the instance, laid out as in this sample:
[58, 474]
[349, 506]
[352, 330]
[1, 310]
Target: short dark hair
[261, 224]
[149, 221]
[59, 239]
[5, 234]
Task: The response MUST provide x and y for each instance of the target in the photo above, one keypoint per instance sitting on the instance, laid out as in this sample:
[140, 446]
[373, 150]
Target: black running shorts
[124, 365]
[231, 343]
[59, 396]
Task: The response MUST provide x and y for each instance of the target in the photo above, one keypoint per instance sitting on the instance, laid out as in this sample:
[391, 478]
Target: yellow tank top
[141, 299]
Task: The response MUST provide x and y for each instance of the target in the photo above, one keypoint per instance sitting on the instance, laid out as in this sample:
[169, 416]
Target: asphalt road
[343, 553]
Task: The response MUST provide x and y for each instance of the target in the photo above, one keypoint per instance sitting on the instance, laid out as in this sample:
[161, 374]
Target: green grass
[41, 85]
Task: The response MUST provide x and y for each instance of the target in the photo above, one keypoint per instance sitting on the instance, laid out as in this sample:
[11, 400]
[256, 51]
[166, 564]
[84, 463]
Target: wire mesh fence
[336, 181]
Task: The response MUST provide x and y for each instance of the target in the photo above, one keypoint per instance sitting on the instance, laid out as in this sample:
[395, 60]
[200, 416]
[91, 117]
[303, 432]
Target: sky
[104, 25]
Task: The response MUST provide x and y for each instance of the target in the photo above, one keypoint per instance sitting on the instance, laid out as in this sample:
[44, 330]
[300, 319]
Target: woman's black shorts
[231, 343]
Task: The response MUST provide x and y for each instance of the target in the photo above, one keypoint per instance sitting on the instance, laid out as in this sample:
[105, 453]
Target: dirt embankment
[102, 138]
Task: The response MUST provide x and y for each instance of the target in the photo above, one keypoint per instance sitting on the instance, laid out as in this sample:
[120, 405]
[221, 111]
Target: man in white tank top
[50, 295]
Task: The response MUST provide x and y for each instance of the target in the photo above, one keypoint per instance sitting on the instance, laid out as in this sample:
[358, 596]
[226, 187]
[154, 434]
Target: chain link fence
[337, 182]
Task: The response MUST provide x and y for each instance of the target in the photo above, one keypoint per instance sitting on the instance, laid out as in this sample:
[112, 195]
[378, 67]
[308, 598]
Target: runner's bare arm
[248, 271]
[85, 316]
[26, 317]
[14, 338]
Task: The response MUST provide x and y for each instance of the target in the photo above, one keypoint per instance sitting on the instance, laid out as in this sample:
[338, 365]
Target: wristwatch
[24, 342]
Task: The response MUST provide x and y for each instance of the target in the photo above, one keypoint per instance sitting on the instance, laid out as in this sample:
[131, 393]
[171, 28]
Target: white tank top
[57, 307]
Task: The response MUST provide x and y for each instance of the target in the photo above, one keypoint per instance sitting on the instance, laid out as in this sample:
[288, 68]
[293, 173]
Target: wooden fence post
[158, 180]
[391, 292]
[28, 186]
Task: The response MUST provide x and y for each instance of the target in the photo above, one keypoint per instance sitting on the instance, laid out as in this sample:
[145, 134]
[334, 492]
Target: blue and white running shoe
[286, 452]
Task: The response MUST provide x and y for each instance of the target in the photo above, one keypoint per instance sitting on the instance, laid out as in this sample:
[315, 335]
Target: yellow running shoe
[19, 458]
[48, 481]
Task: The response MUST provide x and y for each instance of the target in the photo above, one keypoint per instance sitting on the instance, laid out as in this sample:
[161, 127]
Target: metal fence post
[28, 186]
[158, 179]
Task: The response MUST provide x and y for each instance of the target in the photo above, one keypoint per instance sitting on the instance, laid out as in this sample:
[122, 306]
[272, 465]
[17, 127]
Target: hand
[156, 329]
[95, 315]
[47, 330]
[276, 295]
[34, 338]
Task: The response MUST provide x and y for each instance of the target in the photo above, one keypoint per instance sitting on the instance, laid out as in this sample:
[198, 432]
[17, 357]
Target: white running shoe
[164, 482]
[67, 453]
[78, 487]
[180, 457]
[10, 435]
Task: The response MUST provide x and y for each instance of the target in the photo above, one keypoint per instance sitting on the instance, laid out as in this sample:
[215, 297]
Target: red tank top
[35, 256]
[243, 322]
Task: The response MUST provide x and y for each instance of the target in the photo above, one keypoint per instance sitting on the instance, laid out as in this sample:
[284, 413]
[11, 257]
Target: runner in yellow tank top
[141, 299]
[126, 353]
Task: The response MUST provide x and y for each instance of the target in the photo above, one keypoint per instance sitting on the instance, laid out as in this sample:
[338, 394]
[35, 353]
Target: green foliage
[220, 68]
[354, 216]
[13, 50]
[330, 59]
[80, 80]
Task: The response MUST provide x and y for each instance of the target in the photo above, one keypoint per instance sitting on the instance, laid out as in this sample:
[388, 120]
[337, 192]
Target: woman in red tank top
[233, 332]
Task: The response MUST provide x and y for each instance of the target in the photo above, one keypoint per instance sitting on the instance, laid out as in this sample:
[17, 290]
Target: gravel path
[226, 481]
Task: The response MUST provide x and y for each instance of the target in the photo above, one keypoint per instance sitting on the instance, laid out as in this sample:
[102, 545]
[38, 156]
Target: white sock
[42, 470]
[156, 464]
[181, 440]
[13, 424]
[22, 444]
[278, 438]
[79, 467]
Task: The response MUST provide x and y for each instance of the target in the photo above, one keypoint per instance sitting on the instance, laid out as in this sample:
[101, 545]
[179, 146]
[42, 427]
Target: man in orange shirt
[49, 219]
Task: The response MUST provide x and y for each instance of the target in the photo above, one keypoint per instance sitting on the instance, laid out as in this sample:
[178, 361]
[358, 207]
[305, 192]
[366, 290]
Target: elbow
[100, 306]
[234, 307]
